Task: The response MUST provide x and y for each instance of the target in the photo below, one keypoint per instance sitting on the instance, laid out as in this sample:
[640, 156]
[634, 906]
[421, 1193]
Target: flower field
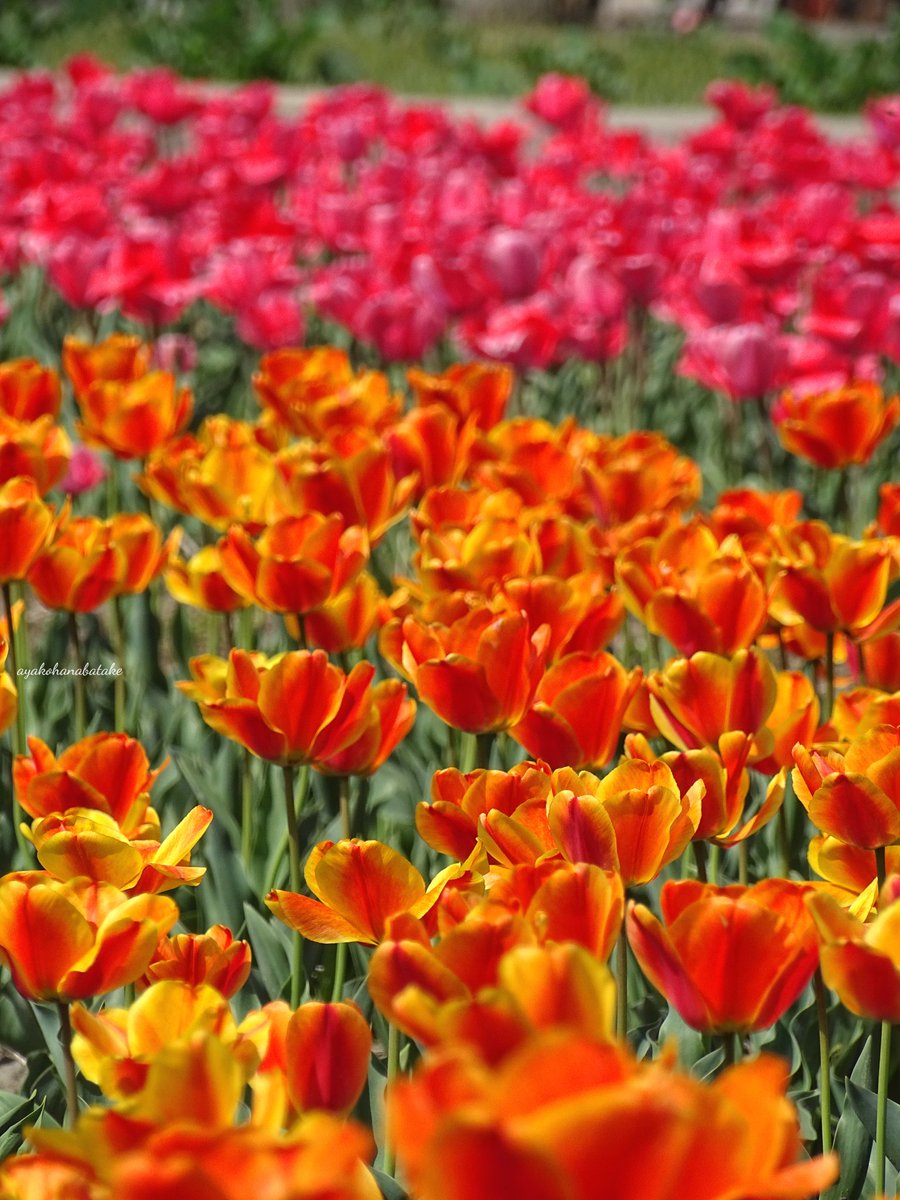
[450, 648]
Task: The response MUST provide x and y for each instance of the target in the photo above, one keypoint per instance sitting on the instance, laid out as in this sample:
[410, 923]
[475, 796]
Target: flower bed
[452, 560]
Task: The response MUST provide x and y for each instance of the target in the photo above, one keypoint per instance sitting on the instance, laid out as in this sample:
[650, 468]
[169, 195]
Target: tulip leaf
[865, 1104]
[389, 1187]
[269, 952]
[852, 1140]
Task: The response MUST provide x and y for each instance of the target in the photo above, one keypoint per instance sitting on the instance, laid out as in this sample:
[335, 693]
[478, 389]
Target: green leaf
[865, 1105]
[388, 1186]
[270, 954]
[851, 1140]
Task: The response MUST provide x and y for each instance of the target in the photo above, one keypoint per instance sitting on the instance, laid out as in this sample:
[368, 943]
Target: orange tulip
[28, 390]
[698, 594]
[291, 709]
[86, 844]
[347, 619]
[201, 582]
[888, 520]
[474, 560]
[751, 514]
[90, 560]
[9, 697]
[120, 358]
[860, 962]
[848, 867]
[576, 717]
[477, 390]
[639, 473]
[315, 391]
[479, 674]
[854, 796]
[567, 1118]
[67, 941]
[432, 445]
[221, 475]
[728, 959]
[634, 820]
[176, 1137]
[38, 449]
[882, 658]
[106, 773]
[833, 584]
[360, 886]
[215, 958]
[695, 700]
[582, 612]
[834, 429]
[135, 417]
[390, 718]
[297, 564]
[26, 525]
[352, 474]
[327, 1050]
[115, 1047]
[449, 823]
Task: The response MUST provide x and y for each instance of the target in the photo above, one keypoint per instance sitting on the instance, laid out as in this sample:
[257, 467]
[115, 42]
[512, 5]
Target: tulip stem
[829, 676]
[80, 698]
[65, 1040]
[393, 1067]
[824, 1060]
[301, 631]
[340, 967]
[245, 627]
[714, 865]
[699, 849]
[622, 985]
[884, 1071]
[294, 853]
[784, 842]
[344, 800]
[246, 809]
[358, 822]
[731, 1045]
[483, 745]
[118, 635]
[880, 866]
[468, 753]
[743, 863]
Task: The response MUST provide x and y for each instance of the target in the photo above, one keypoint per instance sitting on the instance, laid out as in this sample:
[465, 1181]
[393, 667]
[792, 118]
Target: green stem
[340, 967]
[118, 635]
[714, 853]
[622, 985]
[784, 842]
[884, 1071]
[294, 852]
[468, 753]
[301, 631]
[245, 627]
[829, 676]
[344, 802]
[393, 1068]
[734, 1051]
[19, 680]
[699, 849]
[483, 744]
[65, 1039]
[881, 866]
[80, 697]
[246, 808]
[743, 863]
[358, 820]
[824, 1060]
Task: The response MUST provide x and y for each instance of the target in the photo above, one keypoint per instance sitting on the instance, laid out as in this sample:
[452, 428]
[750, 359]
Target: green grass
[418, 52]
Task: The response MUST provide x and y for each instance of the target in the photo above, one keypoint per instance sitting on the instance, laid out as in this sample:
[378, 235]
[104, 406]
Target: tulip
[854, 796]
[479, 674]
[634, 820]
[214, 958]
[106, 773]
[38, 449]
[391, 717]
[134, 418]
[728, 959]
[360, 886]
[297, 564]
[68, 941]
[28, 390]
[479, 390]
[567, 1118]
[327, 1050]
[201, 582]
[26, 525]
[834, 429]
[576, 717]
[347, 620]
[84, 474]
